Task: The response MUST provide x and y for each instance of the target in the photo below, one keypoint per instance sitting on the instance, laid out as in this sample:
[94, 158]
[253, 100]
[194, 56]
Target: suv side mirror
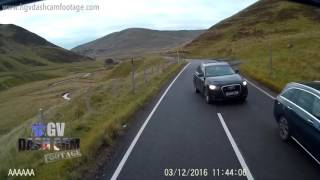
[237, 71]
[200, 74]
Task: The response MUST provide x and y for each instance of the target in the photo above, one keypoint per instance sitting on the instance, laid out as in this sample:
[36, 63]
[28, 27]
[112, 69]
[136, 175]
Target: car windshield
[219, 70]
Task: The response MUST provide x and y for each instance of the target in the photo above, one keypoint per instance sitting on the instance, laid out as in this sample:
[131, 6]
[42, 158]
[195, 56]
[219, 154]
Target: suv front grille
[230, 88]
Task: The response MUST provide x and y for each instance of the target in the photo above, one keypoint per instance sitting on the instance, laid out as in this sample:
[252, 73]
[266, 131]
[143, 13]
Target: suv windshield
[219, 70]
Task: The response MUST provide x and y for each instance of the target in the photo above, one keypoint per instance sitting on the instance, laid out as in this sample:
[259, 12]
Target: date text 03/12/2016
[199, 172]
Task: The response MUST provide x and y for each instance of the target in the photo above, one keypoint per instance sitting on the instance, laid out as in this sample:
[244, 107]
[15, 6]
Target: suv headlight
[212, 87]
[244, 83]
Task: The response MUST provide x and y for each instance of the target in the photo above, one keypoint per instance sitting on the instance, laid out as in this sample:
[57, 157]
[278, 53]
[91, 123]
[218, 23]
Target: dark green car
[297, 111]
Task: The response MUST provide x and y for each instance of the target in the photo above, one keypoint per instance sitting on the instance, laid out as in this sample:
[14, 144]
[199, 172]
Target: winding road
[179, 136]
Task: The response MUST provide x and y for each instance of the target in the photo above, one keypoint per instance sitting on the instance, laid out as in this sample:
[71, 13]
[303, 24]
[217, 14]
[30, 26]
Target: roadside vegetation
[287, 29]
[101, 103]
[14, 78]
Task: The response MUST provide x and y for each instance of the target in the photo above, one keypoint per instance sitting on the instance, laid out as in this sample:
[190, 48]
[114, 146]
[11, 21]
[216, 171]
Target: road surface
[184, 135]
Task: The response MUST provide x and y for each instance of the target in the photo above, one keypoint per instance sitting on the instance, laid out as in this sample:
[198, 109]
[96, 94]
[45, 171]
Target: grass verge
[95, 115]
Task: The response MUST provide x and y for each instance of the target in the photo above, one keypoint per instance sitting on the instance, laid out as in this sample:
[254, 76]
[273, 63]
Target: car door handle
[289, 107]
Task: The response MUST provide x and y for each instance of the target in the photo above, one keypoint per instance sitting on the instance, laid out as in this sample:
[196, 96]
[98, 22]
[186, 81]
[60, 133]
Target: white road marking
[305, 149]
[236, 149]
[136, 138]
[263, 91]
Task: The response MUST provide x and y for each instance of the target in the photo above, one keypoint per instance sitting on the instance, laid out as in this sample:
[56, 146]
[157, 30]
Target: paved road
[186, 133]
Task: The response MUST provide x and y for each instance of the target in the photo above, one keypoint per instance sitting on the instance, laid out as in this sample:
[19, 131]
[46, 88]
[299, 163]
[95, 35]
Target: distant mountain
[21, 49]
[136, 41]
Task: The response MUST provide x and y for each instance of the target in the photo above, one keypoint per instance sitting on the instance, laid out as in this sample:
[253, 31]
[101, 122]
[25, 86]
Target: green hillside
[23, 54]
[290, 29]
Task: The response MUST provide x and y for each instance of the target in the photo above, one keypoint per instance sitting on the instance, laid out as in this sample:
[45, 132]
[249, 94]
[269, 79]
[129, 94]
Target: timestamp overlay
[195, 172]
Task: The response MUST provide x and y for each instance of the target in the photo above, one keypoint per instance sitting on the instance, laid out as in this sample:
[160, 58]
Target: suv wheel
[208, 98]
[196, 89]
[284, 129]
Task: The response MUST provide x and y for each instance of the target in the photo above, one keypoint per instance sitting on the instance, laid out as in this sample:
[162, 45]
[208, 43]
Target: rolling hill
[135, 41]
[288, 30]
[22, 53]
[21, 49]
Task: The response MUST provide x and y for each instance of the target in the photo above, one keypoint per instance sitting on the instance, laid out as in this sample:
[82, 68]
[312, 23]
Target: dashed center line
[236, 149]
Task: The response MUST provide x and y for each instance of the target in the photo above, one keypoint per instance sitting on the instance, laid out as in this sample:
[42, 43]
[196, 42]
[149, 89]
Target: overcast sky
[69, 28]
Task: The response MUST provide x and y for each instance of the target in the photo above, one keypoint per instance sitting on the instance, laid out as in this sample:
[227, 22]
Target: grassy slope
[291, 29]
[100, 105]
[23, 52]
[22, 102]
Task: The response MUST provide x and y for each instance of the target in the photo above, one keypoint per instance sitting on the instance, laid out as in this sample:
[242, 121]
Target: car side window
[305, 101]
[291, 94]
[316, 108]
[287, 94]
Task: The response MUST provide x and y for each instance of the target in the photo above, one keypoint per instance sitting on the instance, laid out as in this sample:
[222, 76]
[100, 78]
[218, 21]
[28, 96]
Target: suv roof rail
[305, 85]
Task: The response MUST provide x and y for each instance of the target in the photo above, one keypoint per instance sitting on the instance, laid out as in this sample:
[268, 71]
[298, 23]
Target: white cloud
[71, 28]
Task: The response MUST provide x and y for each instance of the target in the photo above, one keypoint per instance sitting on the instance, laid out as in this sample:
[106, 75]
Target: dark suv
[218, 81]
[297, 111]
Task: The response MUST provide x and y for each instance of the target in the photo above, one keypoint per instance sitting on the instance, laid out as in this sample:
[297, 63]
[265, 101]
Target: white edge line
[236, 149]
[136, 138]
[264, 92]
[305, 149]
